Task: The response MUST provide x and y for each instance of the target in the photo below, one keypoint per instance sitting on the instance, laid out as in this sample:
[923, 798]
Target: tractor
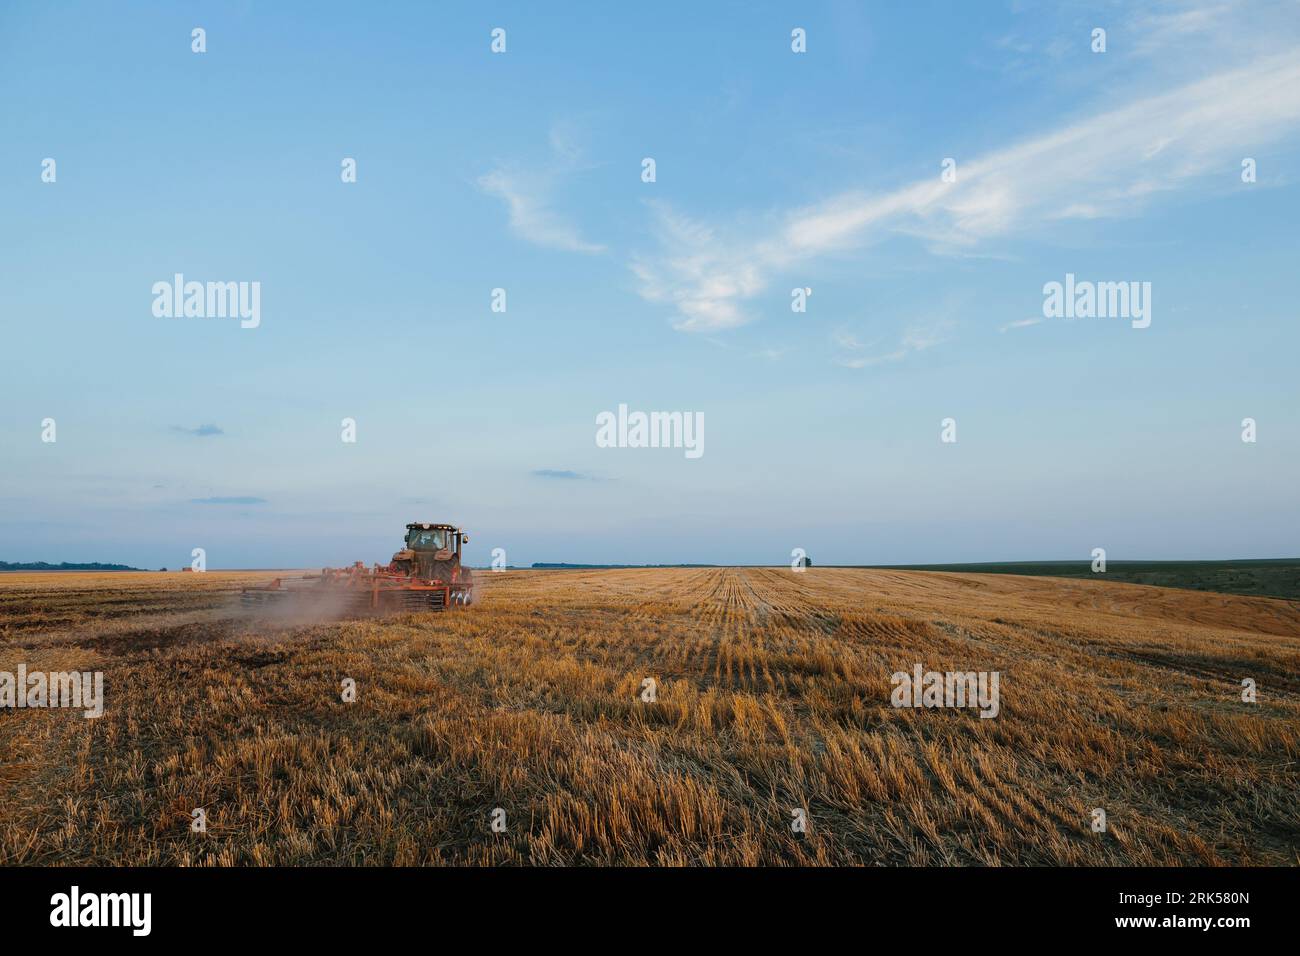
[424, 575]
[432, 553]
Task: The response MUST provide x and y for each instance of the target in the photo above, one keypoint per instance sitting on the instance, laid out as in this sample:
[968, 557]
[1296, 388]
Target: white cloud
[846, 340]
[527, 194]
[698, 276]
[1104, 166]
[1019, 324]
[531, 216]
[917, 338]
[1156, 29]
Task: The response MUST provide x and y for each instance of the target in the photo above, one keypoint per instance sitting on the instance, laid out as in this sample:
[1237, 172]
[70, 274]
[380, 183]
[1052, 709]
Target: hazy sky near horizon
[775, 170]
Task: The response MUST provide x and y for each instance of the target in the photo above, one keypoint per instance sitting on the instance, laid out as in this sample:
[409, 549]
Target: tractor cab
[432, 538]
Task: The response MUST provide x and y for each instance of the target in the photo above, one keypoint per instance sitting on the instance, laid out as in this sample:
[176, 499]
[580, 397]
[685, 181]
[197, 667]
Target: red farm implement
[425, 575]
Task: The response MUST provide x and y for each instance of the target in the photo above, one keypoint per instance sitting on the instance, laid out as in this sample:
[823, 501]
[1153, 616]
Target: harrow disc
[411, 599]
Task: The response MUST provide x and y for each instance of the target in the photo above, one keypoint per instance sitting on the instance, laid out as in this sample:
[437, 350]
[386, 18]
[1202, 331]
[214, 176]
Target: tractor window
[432, 539]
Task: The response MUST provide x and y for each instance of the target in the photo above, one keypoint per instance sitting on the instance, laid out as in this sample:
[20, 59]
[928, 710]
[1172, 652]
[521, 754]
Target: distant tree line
[64, 566]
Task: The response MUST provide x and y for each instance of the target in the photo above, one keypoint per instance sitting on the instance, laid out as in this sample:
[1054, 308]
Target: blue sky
[774, 170]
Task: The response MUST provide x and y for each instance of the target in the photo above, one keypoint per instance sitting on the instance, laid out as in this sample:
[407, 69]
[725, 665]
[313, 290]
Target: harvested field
[772, 693]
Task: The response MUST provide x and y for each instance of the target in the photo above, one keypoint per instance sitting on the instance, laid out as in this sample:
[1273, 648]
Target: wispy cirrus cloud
[532, 218]
[1108, 165]
[236, 500]
[527, 193]
[1019, 324]
[854, 353]
[704, 277]
[1157, 27]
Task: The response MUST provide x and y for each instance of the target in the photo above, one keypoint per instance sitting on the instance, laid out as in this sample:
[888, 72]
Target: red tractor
[425, 575]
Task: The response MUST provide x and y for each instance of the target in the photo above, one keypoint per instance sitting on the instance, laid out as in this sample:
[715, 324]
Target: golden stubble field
[773, 693]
